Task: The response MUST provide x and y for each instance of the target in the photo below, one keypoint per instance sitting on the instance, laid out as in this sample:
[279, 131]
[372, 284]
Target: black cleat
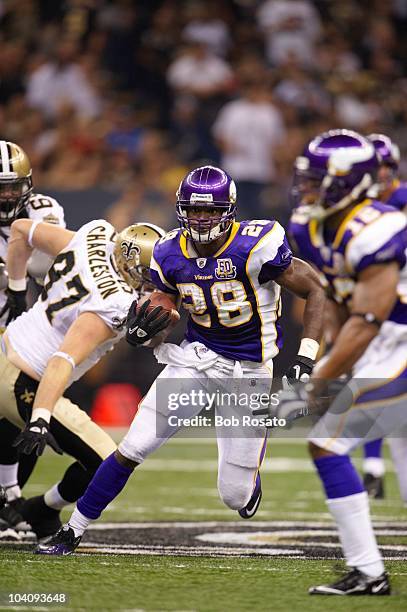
[374, 486]
[45, 521]
[11, 518]
[61, 544]
[253, 504]
[355, 583]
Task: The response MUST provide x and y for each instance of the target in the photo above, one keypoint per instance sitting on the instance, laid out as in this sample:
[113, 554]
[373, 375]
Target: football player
[388, 185]
[228, 276]
[80, 316]
[18, 201]
[359, 245]
[390, 190]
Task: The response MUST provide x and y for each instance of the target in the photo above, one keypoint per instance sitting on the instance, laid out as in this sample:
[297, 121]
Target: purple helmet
[389, 153]
[210, 189]
[335, 170]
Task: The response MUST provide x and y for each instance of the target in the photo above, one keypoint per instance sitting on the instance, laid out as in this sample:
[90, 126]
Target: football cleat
[62, 543]
[253, 504]
[374, 486]
[355, 583]
[11, 518]
[45, 521]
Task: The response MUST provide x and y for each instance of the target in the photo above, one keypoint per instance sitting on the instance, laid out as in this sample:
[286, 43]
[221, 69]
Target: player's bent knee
[122, 460]
[317, 451]
[234, 495]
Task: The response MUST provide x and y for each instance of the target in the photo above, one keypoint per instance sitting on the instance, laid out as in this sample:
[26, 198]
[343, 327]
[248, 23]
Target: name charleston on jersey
[232, 297]
[107, 283]
[83, 278]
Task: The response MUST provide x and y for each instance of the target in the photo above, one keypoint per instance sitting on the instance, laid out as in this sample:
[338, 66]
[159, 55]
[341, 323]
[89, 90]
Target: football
[158, 298]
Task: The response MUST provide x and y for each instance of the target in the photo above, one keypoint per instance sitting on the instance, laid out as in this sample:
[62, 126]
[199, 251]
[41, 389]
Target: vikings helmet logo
[130, 250]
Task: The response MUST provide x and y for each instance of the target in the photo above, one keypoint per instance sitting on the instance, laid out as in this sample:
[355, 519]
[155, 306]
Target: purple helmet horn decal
[335, 170]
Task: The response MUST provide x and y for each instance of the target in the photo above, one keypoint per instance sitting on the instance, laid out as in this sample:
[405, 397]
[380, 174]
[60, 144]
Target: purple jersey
[232, 298]
[372, 233]
[398, 198]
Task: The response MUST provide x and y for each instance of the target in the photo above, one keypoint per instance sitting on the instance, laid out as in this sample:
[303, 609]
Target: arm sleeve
[279, 260]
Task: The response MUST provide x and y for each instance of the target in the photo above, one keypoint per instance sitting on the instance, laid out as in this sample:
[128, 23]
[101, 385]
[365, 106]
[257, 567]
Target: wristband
[19, 284]
[309, 348]
[41, 413]
[65, 356]
[31, 233]
[369, 317]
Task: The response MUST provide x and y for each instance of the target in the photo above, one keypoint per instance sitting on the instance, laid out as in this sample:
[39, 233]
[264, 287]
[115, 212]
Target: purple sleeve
[271, 269]
[155, 277]
[393, 250]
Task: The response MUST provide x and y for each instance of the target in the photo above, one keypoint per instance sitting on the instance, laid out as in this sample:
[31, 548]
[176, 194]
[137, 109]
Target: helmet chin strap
[319, 212]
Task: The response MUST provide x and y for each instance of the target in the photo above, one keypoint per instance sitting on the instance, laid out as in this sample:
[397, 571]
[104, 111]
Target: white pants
[376, 407]
[240, 452]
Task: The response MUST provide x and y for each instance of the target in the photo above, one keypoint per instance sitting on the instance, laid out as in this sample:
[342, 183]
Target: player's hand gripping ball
[150, 320]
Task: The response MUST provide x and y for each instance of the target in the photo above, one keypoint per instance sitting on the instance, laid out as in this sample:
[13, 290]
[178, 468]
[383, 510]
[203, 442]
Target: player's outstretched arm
[303, 281]
[82, 338]
[25, 235]
[370, 308]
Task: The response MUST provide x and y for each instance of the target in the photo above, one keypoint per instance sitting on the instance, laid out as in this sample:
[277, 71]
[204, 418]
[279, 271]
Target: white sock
[352, 517]
[53, 499]
[79, 522]
[13, 492]
[8, 474]
[398, 449]
[374, 466]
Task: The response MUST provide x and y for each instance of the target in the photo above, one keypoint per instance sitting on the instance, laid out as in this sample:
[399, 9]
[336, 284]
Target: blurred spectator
[198, 72]
[60, 81]
[291, 28]
[249, 131]
[207, 28]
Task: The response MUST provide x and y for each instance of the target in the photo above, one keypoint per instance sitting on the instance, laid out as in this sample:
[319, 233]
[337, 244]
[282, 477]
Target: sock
[106, 484]
[373, 462]
[8, 474]
[338, 476]
[356, 534]
[78, 522]
[398, 449]
[374, 466]
[53, 499]
[349, 506]
[13, 492]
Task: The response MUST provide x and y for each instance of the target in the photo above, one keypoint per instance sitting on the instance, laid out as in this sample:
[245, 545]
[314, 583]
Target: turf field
[168, 543]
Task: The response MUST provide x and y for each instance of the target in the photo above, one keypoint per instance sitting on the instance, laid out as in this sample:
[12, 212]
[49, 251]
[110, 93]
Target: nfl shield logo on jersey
[201, 262]
[225, 269]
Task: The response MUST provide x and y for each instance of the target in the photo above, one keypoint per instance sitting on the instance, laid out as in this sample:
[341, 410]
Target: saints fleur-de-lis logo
[27, 396]
[130, 250]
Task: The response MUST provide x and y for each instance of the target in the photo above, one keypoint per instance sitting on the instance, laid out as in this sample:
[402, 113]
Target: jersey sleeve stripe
[373, 236]
[155, 266]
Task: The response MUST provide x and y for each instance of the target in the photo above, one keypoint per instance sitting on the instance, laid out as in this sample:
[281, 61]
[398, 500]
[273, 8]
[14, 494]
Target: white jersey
[83, 278]
[40, 207]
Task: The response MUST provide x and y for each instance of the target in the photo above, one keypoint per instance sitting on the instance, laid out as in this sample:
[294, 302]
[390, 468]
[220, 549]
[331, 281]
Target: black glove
[15, 305]
[141, 327]
[35, 437]
[299, 371]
